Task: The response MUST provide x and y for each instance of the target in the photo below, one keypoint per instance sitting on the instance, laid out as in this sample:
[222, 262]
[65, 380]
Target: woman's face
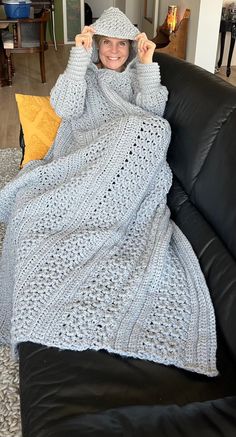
[113, 52]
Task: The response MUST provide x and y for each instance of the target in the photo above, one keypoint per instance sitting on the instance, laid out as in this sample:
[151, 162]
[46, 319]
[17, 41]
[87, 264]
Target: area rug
[10, 424]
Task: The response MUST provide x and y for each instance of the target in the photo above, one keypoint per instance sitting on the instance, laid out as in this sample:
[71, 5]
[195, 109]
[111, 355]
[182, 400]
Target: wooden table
[47, 4]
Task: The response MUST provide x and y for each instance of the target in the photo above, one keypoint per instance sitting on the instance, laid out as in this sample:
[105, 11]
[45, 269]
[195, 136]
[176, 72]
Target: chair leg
[9, 68]
[12, 66]
[42, 66]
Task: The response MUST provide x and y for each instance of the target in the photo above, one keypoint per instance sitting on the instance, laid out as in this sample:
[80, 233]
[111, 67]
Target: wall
[130, 7]
[150, 27]
[99, 6]
[208, 34]
[203, 29]
[120, 4]
[133, 10]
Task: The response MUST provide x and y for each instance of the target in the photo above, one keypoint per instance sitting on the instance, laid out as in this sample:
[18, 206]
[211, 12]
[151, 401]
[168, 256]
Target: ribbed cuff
[148, 76]
[78, 63]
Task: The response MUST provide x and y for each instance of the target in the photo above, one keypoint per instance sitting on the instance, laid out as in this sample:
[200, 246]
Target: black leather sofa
[78, 394]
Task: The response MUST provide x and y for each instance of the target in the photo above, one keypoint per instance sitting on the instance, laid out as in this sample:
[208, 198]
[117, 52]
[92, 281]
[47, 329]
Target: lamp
[171, 19]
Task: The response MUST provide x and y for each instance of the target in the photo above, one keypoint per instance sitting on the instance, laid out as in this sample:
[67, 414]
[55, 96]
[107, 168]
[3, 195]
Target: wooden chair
[28, 36]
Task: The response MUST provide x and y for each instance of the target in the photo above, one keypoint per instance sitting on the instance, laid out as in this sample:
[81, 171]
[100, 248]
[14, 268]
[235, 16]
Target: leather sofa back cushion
[202, 153]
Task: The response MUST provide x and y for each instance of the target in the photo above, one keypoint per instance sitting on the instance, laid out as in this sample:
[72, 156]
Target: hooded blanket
[91, 259]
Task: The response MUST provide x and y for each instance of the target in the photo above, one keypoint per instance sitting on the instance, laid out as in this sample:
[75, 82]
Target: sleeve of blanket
[68, 95]
[151, 95]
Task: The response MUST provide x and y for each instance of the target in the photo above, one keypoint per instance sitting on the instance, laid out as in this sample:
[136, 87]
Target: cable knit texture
[91, 259]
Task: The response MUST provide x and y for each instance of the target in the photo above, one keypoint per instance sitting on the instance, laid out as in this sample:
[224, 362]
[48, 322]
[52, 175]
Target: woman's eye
[123, 43]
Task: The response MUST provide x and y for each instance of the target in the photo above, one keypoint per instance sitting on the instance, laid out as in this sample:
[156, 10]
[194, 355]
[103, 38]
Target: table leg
[222, 46]
[9, 69]
[231, 49]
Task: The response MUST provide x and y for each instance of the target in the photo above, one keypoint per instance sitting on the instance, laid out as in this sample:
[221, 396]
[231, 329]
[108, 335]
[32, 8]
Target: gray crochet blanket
[91, 259]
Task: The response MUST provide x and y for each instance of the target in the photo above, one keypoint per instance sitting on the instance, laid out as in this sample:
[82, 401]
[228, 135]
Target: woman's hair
[98, 38]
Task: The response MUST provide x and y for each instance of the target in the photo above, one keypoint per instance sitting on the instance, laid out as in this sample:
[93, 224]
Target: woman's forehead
[109, 38]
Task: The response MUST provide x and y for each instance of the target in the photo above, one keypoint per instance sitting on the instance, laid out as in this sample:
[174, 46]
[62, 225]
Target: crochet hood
[114, 24]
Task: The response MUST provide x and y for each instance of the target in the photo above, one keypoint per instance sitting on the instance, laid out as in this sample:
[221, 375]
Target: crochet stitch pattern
[91, 258]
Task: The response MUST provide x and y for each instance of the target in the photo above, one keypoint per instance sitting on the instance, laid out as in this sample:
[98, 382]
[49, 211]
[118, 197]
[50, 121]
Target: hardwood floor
[231, 79]
[27, 81]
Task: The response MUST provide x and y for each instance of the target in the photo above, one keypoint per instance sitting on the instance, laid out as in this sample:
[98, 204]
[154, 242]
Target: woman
[117, 47]
[92, 259]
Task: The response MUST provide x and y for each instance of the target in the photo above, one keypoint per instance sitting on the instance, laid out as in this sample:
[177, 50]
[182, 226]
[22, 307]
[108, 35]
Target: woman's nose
[114, 48]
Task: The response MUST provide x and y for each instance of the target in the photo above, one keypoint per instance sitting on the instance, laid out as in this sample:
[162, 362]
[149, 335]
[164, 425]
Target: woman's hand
[145, 48]
[85, 38]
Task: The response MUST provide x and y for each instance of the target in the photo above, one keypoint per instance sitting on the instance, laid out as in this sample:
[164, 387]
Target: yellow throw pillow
[39, 124]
